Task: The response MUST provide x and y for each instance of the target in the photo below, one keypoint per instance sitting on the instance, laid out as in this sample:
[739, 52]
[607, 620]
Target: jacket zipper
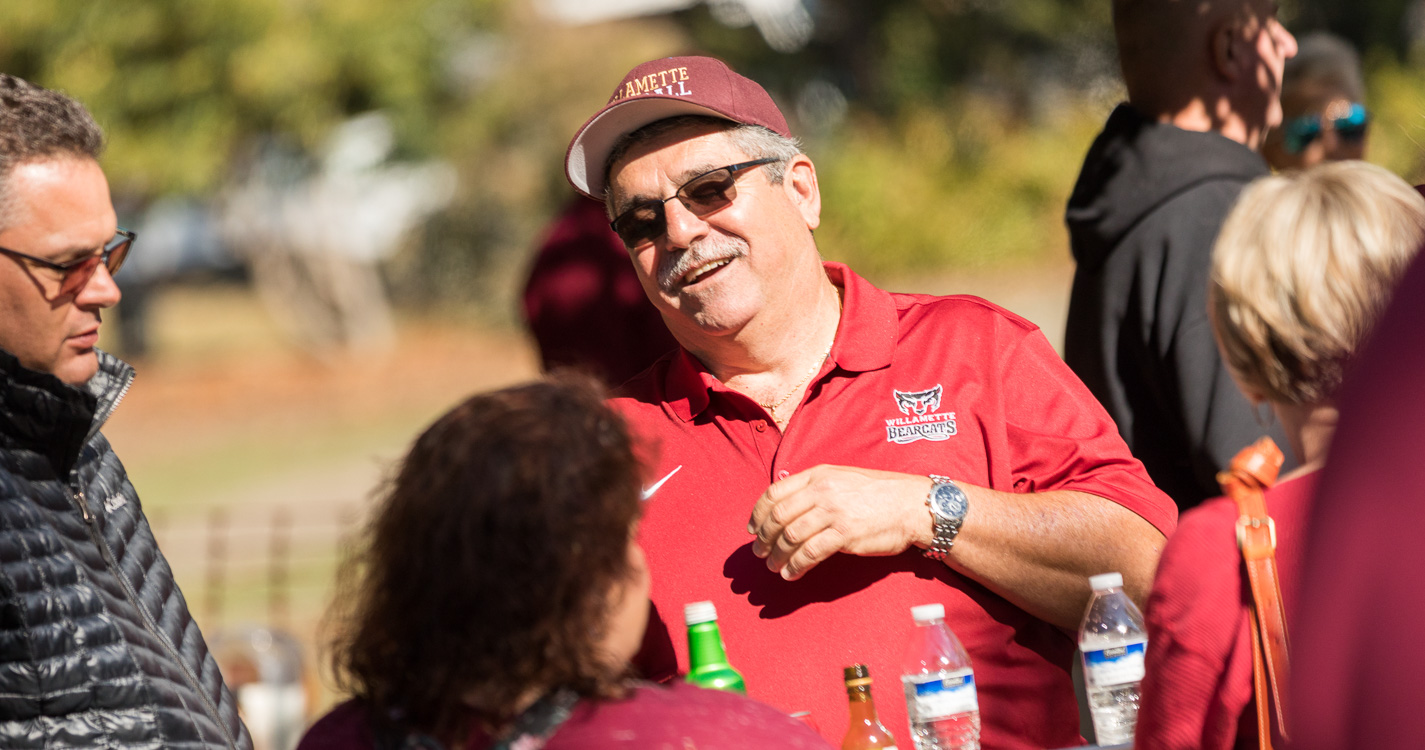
[148, 622]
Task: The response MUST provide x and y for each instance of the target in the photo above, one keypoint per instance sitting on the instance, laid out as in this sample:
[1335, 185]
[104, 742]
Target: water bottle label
[945, 697]
[1114, 666]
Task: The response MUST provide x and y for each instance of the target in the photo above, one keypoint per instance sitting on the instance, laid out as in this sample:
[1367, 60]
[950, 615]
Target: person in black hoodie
[1203, 85]
[97, 648]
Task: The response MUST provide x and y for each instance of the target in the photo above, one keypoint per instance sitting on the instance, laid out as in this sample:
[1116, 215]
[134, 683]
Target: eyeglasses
[1299, 132]
[76, 273]
[702, 195]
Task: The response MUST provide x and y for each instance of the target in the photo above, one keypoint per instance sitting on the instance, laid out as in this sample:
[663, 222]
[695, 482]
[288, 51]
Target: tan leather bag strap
[1252, 471]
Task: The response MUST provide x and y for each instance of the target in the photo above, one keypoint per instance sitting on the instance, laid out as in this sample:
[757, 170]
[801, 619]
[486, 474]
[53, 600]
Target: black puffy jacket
[97, 648]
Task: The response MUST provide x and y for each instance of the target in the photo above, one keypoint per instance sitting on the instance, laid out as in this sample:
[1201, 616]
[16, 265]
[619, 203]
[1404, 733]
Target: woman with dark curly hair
[501, 593]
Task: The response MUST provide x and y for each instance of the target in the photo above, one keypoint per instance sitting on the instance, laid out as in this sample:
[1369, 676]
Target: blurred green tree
[181, 87]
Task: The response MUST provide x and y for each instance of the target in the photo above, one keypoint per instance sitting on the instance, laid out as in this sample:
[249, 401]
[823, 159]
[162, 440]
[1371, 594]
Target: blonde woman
[1304, 265]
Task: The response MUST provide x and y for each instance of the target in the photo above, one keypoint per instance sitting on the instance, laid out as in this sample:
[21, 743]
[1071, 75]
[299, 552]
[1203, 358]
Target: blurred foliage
[181, 87]
[959, 137]
[898, 54]
[965, 184]
[1396, 95]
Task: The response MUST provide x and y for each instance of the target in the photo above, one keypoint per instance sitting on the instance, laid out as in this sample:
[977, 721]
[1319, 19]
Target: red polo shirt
[917, 384]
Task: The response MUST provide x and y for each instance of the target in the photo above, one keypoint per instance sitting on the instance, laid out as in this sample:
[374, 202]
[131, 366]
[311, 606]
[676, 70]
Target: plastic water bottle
[939, 685]
[1113, 643]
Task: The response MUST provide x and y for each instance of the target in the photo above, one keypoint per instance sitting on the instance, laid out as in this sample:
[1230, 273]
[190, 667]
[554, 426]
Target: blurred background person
[501, 594]
[1324, 115]
[583, 302]
[1203, 84]
[1304, 266]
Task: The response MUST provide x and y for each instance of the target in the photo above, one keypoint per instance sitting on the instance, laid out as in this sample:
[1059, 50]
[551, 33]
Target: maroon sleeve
[1199, 663]
[1062, 439]
[1358, 658]
[343, 728]
[682, 716]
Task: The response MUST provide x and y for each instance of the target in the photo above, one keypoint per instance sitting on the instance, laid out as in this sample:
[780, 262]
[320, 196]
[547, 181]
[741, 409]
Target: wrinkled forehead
[671, 155]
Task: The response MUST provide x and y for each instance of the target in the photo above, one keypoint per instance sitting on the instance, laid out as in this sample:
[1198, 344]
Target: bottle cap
[1106, 581]
[928, 612]
[857, 672]
[696, 613]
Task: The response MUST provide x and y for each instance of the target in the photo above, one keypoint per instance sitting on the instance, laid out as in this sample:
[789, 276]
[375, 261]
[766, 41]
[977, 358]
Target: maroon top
[677, 716]
[1197, 692]
[1358, 655]
[583, 302]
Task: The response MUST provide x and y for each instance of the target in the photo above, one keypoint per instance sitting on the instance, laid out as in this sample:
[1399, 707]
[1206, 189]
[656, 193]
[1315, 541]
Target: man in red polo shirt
[825, 455]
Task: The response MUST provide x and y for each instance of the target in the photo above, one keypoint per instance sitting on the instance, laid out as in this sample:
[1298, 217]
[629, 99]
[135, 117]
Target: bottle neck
[705, 645]
[862, 708]
[858, 693]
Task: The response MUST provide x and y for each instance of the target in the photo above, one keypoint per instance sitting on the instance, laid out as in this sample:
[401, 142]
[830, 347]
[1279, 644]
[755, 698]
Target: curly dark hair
[37, 123]
[488, 563]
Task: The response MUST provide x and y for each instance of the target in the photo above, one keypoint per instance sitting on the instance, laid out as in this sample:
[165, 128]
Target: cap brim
[584, 161]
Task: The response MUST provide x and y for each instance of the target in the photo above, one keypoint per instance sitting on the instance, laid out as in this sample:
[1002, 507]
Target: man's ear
[800, 184]
[1226, 58]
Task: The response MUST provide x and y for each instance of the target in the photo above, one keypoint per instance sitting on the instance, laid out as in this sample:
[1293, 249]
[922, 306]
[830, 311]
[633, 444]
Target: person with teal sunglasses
[1324, 117]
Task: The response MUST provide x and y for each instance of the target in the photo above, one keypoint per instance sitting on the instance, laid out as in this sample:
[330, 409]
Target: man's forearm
[1035, 550]
[1038, 550]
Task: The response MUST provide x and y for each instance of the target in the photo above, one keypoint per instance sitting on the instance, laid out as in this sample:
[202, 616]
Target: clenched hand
[810, 516]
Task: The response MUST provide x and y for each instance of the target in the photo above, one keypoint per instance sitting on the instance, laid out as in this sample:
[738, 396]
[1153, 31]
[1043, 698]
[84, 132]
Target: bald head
[1165, 46]
[1218, 61]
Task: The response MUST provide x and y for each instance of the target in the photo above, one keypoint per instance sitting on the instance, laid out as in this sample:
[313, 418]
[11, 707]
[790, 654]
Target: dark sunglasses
[701, 195]
[76, 273]
[1299, 132]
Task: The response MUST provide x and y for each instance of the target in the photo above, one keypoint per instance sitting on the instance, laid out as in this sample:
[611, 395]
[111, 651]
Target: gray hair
[1329, 60]
[754, 140]
[37, 123]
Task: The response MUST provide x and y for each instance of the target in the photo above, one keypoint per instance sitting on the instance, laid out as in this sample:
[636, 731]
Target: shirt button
[783, 474]
[761, 425]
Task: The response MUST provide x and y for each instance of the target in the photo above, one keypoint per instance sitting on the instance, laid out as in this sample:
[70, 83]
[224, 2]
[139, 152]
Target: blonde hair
[1302, 268]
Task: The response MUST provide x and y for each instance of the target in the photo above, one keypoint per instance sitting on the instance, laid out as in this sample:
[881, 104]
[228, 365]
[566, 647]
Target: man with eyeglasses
[97, 648]
[823, 455]
[1203, 85]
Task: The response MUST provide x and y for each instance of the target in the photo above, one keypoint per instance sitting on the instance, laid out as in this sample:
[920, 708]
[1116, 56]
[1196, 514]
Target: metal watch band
[946, 529]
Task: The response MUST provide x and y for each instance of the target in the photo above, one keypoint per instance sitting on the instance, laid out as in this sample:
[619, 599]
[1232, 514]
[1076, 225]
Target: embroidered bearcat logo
[919, 402]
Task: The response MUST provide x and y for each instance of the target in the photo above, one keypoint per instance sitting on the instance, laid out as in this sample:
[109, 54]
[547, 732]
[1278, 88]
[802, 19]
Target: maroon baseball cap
[657, 90]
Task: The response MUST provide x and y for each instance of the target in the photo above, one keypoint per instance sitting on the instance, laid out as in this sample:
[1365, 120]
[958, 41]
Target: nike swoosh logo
[648, 491]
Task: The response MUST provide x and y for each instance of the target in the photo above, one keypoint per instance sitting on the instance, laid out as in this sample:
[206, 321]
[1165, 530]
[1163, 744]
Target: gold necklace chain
[772, 408]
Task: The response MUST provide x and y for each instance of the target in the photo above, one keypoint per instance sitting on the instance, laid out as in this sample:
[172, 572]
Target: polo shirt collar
[865, 341]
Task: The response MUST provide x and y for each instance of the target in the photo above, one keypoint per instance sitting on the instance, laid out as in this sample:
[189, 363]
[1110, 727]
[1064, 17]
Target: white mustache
[672, 268]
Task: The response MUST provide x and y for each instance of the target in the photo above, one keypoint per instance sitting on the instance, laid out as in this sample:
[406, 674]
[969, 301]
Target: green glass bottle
[707, 656]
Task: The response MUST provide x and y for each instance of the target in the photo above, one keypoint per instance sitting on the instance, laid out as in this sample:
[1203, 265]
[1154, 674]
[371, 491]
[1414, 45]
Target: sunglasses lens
[1352, 127]
[1300, 132]
[640, 224]
[77, 276]
[709, 192]
[1353, 133]
[118, 251]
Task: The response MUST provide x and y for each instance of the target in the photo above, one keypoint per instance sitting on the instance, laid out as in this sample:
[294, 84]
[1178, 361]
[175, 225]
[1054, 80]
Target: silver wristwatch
[948, 506]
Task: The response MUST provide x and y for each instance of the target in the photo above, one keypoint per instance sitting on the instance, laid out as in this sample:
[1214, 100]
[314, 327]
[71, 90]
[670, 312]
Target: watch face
[949, 501]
